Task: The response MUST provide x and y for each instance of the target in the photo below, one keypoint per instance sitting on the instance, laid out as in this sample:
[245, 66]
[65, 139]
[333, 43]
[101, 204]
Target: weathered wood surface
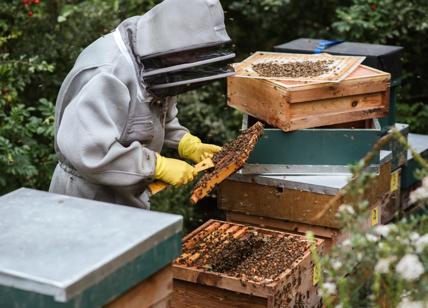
[153, 292]
[294, 205]
[191, 295]
[290, 105]
[331, 236]
[284, 290]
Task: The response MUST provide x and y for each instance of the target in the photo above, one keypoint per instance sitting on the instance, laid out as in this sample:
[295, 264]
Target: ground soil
[293, 69]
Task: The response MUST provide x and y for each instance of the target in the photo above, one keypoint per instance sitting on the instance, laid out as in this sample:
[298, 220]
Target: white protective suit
[108, 126]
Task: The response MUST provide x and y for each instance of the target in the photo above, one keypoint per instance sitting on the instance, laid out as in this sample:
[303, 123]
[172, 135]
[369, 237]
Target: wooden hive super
[293, 203]
[291, 105]
[198, 282]
[298, 198]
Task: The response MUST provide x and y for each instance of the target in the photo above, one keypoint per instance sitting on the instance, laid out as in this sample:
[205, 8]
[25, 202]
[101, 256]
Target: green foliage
[415, 114]
[262, 24]
[26, 121]
[37, 52]
[386, 266]
[391, 22]
[206, 114]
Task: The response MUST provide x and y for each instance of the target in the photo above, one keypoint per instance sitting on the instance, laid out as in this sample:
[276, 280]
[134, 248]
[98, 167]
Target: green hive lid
[60, 246]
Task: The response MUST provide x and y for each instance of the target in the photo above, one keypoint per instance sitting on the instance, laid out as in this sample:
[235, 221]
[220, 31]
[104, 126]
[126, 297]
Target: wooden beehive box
[292, 105]
[297, 198]
[382, 212]
[200, 285]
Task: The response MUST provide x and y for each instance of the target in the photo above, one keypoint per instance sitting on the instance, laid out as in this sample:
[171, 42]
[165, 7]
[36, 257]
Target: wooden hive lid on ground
[205, 248]
[291, 105]
[60, 251]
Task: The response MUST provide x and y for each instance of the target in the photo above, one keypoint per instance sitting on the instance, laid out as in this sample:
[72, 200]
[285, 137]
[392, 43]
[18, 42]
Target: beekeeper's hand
[173, 171]
[191, 147]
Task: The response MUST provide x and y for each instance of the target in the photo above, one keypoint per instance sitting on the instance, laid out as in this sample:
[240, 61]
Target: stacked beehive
[298, 169]
[386, 58]
[300, 166]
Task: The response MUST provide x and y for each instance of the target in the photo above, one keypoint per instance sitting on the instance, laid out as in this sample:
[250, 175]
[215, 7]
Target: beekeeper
[116, 108]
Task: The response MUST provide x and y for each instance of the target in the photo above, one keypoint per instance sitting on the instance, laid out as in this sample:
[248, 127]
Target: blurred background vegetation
[40, 40]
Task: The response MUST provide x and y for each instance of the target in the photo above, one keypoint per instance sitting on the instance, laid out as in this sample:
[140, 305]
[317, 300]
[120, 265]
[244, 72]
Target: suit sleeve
[174, 131]
[89, 135]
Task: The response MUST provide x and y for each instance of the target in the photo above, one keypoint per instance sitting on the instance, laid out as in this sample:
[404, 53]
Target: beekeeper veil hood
[181, 45]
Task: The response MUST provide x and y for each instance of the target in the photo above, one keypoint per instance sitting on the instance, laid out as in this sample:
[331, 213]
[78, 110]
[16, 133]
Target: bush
[37, 52]
[386, 266]
[392, 22]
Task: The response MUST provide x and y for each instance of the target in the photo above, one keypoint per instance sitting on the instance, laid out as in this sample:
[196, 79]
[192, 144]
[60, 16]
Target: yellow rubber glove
[191, 147]
[173, 171]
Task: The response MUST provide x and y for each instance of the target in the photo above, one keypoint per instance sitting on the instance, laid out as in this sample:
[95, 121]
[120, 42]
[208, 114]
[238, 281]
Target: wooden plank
[335, 118]
[300, 289]
[346, 88]
[405, 197]
[294, 205]
[163, 303]
[191, 295]
[260, 99]
[337, 106]
[267, 201]
[338, 110]
[331, 236]
[284, 225]
[152, 292]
